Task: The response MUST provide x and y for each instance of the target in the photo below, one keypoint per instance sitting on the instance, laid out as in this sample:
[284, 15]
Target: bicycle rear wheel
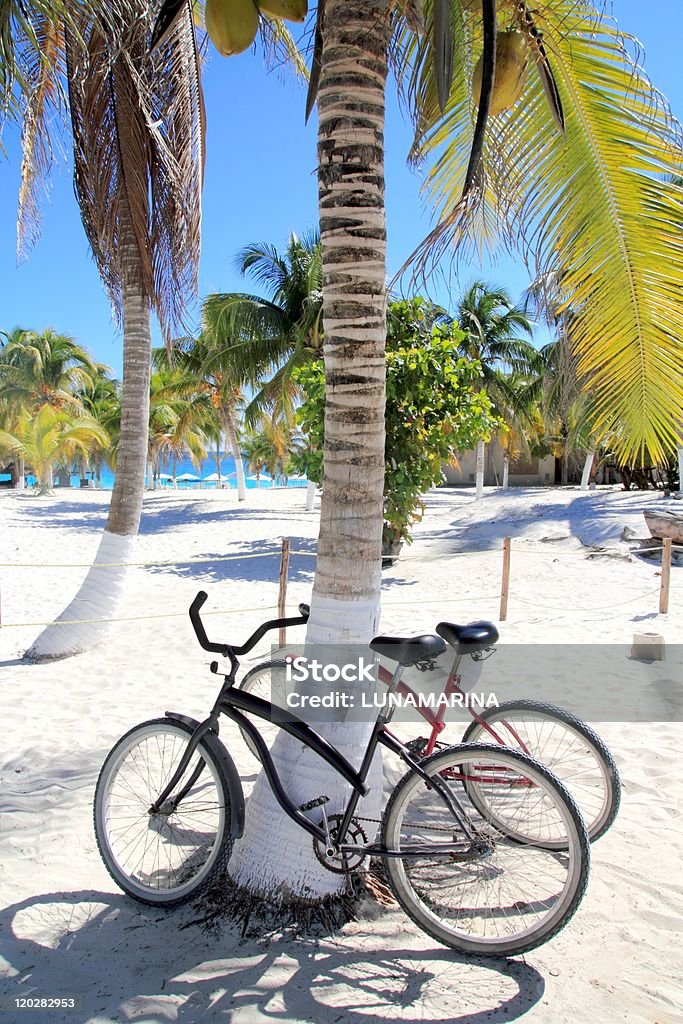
[163, 858]
[507, 892]
[564, 743]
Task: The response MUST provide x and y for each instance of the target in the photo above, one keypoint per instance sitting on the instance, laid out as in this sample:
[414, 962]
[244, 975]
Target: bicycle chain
[407, 824]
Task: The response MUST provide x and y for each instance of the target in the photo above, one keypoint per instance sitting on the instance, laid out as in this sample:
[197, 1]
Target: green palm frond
[599, 207]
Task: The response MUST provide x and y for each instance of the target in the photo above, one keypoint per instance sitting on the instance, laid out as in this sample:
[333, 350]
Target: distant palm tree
[50, 437]
[494, 327]
[177, 414]
[204, 371]
[44, 368]
[260, 340]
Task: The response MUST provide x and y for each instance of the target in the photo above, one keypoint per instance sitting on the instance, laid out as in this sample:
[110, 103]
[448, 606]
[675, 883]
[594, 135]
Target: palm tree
[102, 401]
[492, 327]
[44, 368]
[177, 415]
[136, 120]
[345, 601]
[51, 436]
[261, 340]
[204, 370]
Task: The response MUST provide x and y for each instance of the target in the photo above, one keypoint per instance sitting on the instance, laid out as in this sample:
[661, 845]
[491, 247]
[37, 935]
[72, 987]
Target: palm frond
[598, 206]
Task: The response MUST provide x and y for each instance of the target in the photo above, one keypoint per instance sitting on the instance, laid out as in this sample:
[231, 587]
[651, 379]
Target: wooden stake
[506, 580]
[666, 576]
[282, 599]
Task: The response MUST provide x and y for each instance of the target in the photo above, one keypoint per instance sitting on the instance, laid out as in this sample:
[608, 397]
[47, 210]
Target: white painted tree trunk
[99, 594]
[479, 487]
[506, 471]
[310, 495]
[680, 470]
[587, 466]
[78, 628]
[21, 479]
[275, 858]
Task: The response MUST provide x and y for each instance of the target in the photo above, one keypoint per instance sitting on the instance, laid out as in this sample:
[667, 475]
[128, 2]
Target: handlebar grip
[304, 610]
[198, 626]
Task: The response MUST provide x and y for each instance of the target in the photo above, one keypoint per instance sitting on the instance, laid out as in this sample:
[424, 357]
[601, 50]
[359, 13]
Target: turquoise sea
[206, 469]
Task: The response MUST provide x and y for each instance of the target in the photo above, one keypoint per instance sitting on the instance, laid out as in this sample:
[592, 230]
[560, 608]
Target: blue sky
[260, 185]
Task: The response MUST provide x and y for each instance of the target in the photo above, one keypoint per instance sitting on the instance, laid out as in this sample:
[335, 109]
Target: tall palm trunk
[311, 489]
[479, 487]
[587, 467]
[506, 470]
[99, 593]
[345, 605]
[231, 438]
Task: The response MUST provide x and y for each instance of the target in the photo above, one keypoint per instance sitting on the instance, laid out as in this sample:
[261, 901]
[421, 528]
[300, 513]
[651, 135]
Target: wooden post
[282, 599]
[506, 580]
[666, 576]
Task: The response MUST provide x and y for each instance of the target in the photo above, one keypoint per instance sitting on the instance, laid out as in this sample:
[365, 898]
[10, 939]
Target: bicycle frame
[233, 703]
[436, 720]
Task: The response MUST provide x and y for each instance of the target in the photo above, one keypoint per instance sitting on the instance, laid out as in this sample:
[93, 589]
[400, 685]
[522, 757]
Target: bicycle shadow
[127, 963]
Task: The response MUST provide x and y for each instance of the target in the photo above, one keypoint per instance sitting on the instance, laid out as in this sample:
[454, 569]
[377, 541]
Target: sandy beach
[66, 930]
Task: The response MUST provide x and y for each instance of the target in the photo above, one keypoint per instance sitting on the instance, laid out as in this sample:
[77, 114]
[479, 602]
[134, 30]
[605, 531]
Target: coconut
[512, 58]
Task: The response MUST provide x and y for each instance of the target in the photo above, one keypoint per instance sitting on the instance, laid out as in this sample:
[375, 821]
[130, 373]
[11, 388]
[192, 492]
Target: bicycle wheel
[571, 749]
[267, 681]
[506, 892]
[164, 858]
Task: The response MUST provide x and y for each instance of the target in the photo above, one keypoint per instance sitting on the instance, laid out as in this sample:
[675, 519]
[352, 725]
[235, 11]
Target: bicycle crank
[331, 857]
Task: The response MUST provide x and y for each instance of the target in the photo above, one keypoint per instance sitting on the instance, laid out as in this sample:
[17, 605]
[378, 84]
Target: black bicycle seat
[474, 636]
[408, 650]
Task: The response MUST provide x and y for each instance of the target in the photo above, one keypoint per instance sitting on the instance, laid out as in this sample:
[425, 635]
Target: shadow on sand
[124, 962]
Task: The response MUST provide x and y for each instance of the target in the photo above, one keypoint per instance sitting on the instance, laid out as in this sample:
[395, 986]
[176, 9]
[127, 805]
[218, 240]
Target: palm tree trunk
[481, 449]
[21, 479]
[506, 470]
[231, 438]
[587, 466]
[99, 593]
[345, 604]
[218, 461]
[311, 488]
[680, 470]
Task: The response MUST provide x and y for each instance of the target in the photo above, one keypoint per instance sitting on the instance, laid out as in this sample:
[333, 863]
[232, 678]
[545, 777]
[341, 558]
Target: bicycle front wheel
[163, 858]
[499, 890]
[564, 743]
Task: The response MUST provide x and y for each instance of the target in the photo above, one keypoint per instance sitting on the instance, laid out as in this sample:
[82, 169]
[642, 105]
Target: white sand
[64, 928]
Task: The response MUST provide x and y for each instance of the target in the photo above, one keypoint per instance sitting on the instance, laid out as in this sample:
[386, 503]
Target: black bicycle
[468, 835]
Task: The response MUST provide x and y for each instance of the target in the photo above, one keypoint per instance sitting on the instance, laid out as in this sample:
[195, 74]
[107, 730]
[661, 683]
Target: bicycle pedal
[317, 802]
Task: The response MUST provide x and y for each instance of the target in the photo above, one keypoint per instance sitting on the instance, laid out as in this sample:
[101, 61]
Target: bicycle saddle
[409, 650]
[475, 636]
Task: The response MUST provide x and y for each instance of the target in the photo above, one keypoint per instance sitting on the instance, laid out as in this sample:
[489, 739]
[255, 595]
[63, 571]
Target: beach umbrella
[213, 478]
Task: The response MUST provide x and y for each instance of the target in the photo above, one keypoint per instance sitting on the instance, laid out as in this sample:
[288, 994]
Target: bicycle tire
[596, 786]
[428, 888]
[261, 681]
[200, 833]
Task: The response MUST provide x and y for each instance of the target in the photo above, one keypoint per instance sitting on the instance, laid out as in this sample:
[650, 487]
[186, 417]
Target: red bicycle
[570, 748]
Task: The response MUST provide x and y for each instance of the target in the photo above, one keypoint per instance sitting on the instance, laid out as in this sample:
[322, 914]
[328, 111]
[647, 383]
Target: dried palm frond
[137, 120]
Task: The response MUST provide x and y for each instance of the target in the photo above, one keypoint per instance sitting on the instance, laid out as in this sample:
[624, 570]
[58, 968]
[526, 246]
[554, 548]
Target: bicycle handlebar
[229, 650]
